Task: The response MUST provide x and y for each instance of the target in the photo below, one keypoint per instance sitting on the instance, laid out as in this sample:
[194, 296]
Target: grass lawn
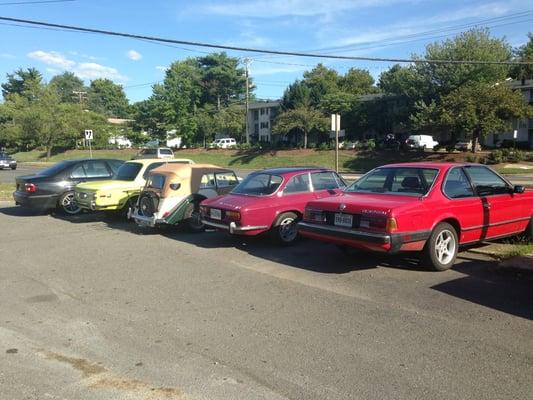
[519, 250]
[6, 191]
[349, 160]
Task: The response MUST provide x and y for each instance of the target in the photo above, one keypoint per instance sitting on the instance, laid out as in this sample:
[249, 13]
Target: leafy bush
[507, 155]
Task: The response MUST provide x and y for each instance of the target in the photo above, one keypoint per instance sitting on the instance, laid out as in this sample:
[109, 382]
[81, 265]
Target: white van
[420, 142]
[225, 143]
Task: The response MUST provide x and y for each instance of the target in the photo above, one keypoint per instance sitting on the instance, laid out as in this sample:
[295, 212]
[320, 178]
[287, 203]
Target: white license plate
[344, 220]
[215, 213]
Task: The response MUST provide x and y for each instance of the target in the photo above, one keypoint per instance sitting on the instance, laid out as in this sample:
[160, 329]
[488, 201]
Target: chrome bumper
[233, 228]
[142, 220]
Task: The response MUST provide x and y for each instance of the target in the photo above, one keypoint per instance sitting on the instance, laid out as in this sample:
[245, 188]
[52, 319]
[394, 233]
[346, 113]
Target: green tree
[297, 94]
[357, 82]
[300, 119]
[321, 80]
[222, 80]
[524, 53]
[66, 84]
[108, 98]
[21, 82]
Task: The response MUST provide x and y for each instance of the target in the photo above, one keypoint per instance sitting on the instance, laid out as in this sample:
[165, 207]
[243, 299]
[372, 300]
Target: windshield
[400, 181]
[259, 185]
[128, 172]
[54, 169]
[5, 156]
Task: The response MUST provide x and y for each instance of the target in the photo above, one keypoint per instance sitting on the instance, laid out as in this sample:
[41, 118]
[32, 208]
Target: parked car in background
[53, 187]
[121, 192]
[420, 142]
[225, 143]
[432, 208]
[466, 145]
[272, 200]
[6, 161]
[158, 152]
[173, 193]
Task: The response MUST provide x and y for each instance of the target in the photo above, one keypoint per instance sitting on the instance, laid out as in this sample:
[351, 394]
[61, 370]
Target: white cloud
[52, 58]
[84, 70]
[134, 55]
[94, 71]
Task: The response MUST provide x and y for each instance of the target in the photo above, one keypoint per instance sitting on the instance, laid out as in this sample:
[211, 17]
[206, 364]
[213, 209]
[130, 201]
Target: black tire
[14, 168]
[67, 204]
[193, 218]
[284, 230]
[130, 203]
[441, 248]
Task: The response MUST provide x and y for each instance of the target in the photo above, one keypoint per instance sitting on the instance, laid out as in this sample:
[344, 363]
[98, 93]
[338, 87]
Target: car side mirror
[175, 186]
[519, 189]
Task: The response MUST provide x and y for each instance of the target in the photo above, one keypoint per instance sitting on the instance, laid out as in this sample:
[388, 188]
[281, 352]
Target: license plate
[215, 213]
[344, 220]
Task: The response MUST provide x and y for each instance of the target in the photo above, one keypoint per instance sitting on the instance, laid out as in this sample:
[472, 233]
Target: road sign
[88, 134]
[342, 133]
[335, 122]
[515, 134]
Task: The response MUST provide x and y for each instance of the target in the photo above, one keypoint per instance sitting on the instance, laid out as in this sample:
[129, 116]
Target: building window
[256, 114]
[256, 129]
[262, 111]
[264, 125]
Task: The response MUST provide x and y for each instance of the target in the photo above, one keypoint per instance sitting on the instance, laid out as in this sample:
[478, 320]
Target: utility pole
[81, 95]
[247, 62]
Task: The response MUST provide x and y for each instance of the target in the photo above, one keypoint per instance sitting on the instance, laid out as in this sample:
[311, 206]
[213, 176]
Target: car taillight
[311, 214]
[203, 210]
[392, 225]
[233, 215]
[30, 187]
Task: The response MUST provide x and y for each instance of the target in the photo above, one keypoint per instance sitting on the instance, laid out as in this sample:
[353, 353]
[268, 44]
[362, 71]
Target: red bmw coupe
[428, 207]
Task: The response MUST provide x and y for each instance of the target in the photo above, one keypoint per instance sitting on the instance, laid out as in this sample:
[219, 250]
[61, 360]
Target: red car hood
[237, 202]
[356, 202]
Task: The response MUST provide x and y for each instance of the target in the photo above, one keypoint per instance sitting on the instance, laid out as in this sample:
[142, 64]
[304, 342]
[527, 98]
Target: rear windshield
[156, 181]
[401, 181]
[149, 151]
[259, 185]
[165, 151]
[128, 171]
[56, 168]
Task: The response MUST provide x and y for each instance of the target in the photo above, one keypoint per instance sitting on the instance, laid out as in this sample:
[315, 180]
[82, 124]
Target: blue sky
[378, 28]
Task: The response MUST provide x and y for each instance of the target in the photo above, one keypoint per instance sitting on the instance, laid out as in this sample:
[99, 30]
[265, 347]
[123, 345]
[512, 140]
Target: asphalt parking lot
[96, 308]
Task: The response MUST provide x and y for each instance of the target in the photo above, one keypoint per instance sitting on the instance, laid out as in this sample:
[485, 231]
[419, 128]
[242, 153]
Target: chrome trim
[233, 228]
[142, 220]
[375, 237]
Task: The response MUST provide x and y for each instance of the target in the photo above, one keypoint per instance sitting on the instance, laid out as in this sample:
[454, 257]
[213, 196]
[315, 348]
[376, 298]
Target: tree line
[201, 96]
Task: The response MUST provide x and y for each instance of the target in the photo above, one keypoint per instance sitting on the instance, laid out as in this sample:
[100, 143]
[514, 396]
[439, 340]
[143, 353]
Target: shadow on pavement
[17, 211]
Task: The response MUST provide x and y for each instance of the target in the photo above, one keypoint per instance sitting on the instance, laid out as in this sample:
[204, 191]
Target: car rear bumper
[8, 165]
[234, 229]
[383, 242]
[143, 220]
[35, 201]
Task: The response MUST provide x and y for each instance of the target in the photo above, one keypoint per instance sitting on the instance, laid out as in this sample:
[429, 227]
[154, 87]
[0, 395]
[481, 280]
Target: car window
[259, 184]
[396, 180]
[486, 181]
[151, 167]
[225, 179]
[297, 184]
[457, 185]
[115, 165]
[54, 169]
[166, 152]
[78, 172]
[156, 181]
[149, 152]
[96, 169]
[128, 171]
[325, 181]
[207, 181]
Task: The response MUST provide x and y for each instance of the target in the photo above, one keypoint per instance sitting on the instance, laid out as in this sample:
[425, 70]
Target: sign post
[336, 127]
[89, 138]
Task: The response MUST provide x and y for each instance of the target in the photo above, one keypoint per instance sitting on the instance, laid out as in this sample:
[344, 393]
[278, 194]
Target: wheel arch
[453, 221]
[299, 214]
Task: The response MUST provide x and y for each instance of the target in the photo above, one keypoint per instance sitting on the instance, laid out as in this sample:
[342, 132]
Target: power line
[264, 51]
[13, 3]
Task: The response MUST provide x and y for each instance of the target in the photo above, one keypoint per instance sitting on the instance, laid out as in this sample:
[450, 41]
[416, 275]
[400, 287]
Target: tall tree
[108, 98]
[357, 82]
[524, 53]
[321, 80]
[66, 84]
[222, 80]
[21, 82]
[300, 119]
[297, 94]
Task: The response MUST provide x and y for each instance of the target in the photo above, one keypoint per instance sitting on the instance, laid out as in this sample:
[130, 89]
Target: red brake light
[30, 187]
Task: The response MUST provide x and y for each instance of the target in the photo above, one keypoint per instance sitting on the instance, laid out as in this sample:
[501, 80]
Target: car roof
[145, 161]
[290, 170]
[439, 165]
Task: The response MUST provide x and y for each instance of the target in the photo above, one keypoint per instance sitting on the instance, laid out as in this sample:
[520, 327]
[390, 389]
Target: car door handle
[486, 206]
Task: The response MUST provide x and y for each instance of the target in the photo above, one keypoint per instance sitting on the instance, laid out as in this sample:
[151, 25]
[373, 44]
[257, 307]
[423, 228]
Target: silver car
[6, 161]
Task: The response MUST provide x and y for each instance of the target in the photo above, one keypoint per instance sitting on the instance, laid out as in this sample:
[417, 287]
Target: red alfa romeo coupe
[432, 208]
[272, 200]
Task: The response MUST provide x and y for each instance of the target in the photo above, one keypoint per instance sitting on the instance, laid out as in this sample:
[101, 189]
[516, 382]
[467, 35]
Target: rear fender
[178, 213]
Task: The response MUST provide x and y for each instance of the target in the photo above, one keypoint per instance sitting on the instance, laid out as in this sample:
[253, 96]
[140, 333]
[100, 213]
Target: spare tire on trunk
[148, 203]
